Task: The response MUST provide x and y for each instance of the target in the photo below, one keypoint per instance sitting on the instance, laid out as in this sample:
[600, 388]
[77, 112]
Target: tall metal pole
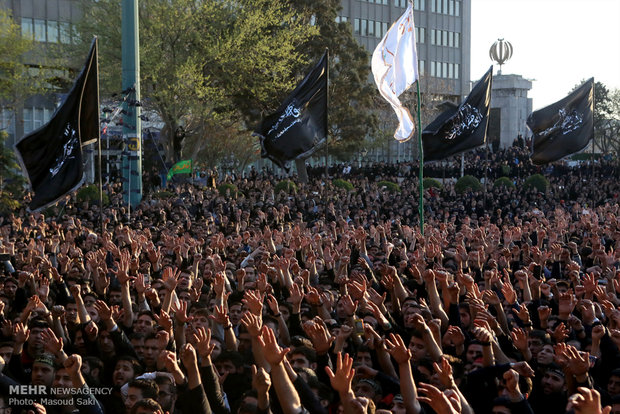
[132, 128]
[99, 143]
[327, 121]
[421, 159]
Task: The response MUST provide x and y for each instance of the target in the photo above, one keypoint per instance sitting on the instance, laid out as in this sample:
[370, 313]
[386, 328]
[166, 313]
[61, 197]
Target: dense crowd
[321, 301]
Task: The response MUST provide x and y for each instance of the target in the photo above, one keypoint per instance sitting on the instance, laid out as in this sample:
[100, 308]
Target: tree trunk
[302, 173]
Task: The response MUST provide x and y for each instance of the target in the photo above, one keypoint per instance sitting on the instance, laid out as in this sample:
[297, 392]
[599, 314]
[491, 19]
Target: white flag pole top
[395, 69]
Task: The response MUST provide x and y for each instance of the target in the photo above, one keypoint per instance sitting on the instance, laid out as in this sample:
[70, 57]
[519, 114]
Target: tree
[608, 133]
[11, 181]
[602, 115]
[205, 65]
[17, 82]
[351, 118]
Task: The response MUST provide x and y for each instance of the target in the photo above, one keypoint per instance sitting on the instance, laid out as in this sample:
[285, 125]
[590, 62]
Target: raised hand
[274, 354]
[261, 381]
[252, 323]
[444, 372]
[435, 398]
[253, 300]
[588, 401]
[164, 320]
[51, 342]
[201, 338]
[343, 377]
[220, 315]
[397, 349]
[321, 338]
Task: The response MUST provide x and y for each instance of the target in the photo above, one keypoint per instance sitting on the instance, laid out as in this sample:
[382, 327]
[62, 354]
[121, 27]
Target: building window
[52, 31]
[384, 29]
[65, 33]
[433, 69]
[457, 69]
[419, 4]
[457, 39]
[27, 28]
[451, 7]
[27, 117]
[7, 121]
[457, 8]
[356, 26]
[378, 32]
[421, 68]
[39, 30]
[420, 34]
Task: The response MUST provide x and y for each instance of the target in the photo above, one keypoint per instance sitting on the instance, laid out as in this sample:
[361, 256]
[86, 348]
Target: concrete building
[48, 22]
[510, 108]
[443, 32]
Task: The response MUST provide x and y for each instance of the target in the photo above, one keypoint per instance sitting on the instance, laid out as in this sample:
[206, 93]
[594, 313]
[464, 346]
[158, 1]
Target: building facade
[48, 22]
[443, 34]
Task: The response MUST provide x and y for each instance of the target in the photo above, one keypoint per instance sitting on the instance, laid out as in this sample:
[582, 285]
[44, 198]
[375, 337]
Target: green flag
[181, 167]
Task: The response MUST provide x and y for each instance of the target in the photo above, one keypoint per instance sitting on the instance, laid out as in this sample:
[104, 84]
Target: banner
[181, 167]
[564, 127]
[395, 68]
[51, 156]
[299, 126]
[460, 128]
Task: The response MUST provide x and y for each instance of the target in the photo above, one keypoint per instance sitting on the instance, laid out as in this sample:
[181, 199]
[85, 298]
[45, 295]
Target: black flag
[564, 127]
[299, 126]
[51, 156]
[460, 128]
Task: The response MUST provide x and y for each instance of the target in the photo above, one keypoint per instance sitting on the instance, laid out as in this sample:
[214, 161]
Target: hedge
[503, 182]
[390, 186]
[227, 187]
[90, 194]
[163, 194]
[431, 183]
[287, 186]
[536, 181]
[467, 182]
[344, 184]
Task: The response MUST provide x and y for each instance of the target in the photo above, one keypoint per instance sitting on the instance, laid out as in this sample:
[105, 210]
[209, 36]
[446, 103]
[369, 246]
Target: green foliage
[206, 65]
[467, 182]
[503, 182]
[390, 186]
[584, 156]
[163, 194]
[227, 189]
[16, 82]
[536, 181]
[351, 115]
[90, 194]
[344, 184]
[287, 186]
[8, 204]
[431, 183]
[11, 181]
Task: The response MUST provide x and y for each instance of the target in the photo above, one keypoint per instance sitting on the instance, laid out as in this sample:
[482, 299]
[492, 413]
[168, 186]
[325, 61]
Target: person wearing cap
[43, 370]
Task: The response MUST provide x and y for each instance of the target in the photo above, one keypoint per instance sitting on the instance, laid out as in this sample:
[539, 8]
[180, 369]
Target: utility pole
[132, 127]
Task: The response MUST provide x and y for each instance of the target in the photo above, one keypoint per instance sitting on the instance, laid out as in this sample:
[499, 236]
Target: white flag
[395, 68]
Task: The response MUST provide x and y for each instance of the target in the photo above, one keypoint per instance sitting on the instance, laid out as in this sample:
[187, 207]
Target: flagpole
[326, 119]
[593, 136]
[421, 160]
[486, 170]
[99, 139]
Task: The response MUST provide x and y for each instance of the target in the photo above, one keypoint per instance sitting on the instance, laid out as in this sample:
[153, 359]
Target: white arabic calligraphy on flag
[395, 68]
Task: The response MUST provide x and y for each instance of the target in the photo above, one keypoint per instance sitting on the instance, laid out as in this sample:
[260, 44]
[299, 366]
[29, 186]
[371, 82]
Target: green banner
[181, 167]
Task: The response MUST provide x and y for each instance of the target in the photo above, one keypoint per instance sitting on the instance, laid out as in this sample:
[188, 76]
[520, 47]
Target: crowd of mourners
[322, 300]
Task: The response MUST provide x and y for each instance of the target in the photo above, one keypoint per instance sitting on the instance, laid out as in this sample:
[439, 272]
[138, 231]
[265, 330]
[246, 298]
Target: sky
[556, 43]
